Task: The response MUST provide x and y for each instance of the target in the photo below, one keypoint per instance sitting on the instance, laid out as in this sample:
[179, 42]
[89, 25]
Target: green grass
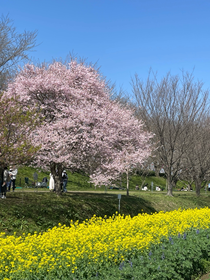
[76, 180]
[28, 210]
[79, 181]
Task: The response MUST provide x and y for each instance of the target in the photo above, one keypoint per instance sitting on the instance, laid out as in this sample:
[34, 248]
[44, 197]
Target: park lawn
[29, 210]
[80, 181]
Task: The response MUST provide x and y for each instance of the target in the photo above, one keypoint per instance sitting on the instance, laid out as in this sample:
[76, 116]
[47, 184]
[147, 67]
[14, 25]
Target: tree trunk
[174, 182]
[56, 171]
[169, 186]
[198, 186]
[127, 183]
[157, 172]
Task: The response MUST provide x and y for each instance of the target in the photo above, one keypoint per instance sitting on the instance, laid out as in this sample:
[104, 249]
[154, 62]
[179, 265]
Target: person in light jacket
[51, 183]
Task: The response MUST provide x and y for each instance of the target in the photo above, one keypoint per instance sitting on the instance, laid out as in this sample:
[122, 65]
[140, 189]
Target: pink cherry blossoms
[81, 128]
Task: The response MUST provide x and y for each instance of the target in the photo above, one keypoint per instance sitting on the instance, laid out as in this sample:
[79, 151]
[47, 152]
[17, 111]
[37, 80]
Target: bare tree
[14, 48]
[169, 108]
[197, 155]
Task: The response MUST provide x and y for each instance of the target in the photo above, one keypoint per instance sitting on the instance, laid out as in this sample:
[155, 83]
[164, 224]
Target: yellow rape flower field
[98, 240]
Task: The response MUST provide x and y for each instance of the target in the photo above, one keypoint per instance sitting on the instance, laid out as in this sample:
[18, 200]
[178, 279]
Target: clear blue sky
[124, 36]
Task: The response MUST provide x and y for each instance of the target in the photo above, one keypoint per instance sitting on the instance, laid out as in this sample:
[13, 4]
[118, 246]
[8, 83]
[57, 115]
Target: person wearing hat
[64, 180]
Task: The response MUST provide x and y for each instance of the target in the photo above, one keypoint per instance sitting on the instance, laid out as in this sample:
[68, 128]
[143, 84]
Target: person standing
[64, 180]
[1, 177]
[51, 183]
[13, 174]
[9, 182]
[5, 181]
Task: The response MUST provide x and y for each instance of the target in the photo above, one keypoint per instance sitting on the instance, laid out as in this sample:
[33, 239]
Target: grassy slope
[38, 211]
[27, 210]
[79, 181]
[76, 180]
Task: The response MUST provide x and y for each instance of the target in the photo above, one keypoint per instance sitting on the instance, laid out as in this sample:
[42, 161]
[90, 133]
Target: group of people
[7, 180]
[145, 188]
[63, 183]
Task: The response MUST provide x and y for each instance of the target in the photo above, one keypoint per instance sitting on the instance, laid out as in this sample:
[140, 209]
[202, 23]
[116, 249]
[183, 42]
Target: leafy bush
[178, 257]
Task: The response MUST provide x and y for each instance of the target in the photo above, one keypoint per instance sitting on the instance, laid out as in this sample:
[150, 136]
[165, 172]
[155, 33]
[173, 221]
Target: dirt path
[205, 277]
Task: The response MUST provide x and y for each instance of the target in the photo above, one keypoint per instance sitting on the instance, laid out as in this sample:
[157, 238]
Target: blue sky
[124, 36]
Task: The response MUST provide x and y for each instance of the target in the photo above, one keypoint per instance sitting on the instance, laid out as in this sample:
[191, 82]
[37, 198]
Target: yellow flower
[95, 240]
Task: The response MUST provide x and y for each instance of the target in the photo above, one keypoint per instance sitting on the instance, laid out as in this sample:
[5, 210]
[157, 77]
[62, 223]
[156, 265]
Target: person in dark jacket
[1, 177]
[5, 181]
[64, 180]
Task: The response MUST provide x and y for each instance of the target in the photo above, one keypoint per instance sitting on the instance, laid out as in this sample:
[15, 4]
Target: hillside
[26, 211]
[30, 209]
[79, 181]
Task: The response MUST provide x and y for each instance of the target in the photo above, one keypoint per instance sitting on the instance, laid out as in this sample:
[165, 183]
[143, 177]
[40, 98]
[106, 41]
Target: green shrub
[177, 258]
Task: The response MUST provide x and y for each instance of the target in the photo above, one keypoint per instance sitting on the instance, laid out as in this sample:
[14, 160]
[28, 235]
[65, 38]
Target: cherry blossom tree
[82, 127]
[131, 147]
